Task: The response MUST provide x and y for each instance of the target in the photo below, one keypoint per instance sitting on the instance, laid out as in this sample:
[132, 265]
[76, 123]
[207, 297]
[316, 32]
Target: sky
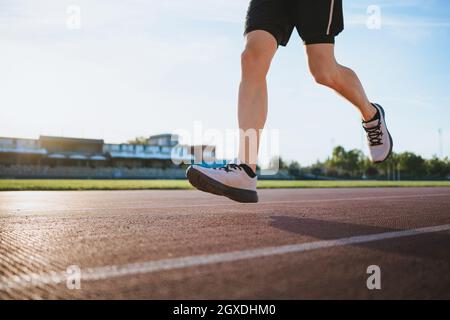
[117, 69]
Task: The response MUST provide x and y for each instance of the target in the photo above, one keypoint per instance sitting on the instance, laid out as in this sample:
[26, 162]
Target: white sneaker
[237, 182]
[378, 136]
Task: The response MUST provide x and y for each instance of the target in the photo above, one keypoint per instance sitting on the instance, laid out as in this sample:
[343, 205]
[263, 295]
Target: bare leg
[259, 51]
[328, 72]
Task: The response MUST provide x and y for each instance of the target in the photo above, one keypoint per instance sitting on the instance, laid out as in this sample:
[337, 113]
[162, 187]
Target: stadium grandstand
[61, 157]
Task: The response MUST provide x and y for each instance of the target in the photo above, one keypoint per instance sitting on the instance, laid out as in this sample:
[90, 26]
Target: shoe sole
[390, 137]
[204, 183]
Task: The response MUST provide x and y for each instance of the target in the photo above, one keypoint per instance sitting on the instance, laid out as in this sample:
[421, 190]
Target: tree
[387, 167]
[345, 163]
[316, 169]
[370, 169]
[294, 169]
[437, 168]
[411, 165]
[278, 162]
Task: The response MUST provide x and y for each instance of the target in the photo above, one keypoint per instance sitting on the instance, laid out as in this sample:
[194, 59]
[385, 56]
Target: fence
[40, 172]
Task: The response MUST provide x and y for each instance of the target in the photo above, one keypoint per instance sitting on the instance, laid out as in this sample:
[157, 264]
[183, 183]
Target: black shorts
[316, 21]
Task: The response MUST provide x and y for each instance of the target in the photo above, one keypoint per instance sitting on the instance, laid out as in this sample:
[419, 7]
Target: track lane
[52, 240]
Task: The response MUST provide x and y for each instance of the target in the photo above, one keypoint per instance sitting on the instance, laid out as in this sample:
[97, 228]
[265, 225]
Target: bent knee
[254, 61]
[325, 77]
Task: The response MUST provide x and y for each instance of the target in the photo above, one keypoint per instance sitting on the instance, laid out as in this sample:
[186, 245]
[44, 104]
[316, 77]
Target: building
[74, 157]
[15, 151]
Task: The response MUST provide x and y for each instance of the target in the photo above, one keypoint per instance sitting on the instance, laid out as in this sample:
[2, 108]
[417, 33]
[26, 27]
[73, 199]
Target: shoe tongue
[371, 124]
[248, 170]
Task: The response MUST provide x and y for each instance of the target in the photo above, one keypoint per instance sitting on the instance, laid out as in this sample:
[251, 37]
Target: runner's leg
[326, 71]
[259, 51]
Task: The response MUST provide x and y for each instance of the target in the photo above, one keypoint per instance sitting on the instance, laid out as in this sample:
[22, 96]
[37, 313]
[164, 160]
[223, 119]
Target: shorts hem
[319, 39]
[268, 29]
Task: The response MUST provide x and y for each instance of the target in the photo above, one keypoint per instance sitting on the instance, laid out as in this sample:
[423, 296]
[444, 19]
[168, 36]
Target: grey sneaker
[237, 182]
[378, 136]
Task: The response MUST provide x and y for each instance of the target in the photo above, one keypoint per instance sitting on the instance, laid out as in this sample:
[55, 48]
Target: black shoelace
[375, 135]
[229, 167]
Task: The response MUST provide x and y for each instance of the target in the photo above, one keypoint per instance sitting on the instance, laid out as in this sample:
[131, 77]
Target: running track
[294, 244]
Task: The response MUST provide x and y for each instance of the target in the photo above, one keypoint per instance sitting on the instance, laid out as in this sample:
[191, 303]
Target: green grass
[23, 185]
[349, 184]
[26, 185]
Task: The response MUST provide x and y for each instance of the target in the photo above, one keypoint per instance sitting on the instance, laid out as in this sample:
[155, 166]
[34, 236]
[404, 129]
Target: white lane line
[418, 196]
[108, 272]
[212, 204]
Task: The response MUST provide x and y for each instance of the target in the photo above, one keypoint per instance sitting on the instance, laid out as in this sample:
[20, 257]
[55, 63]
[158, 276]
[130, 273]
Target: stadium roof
[55, 138]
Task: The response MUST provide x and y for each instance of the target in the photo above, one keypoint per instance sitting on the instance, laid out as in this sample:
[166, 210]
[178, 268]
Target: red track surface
[44, 232]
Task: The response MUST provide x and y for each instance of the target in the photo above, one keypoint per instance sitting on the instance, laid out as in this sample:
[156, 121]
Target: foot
[378, 136]
[237, 182]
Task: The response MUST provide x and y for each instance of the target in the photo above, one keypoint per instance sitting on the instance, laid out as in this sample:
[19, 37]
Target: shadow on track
[434, 246]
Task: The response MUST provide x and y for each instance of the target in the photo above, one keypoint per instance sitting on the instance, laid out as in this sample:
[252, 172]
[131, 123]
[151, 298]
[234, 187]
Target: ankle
[368, 113]
[251, 166]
